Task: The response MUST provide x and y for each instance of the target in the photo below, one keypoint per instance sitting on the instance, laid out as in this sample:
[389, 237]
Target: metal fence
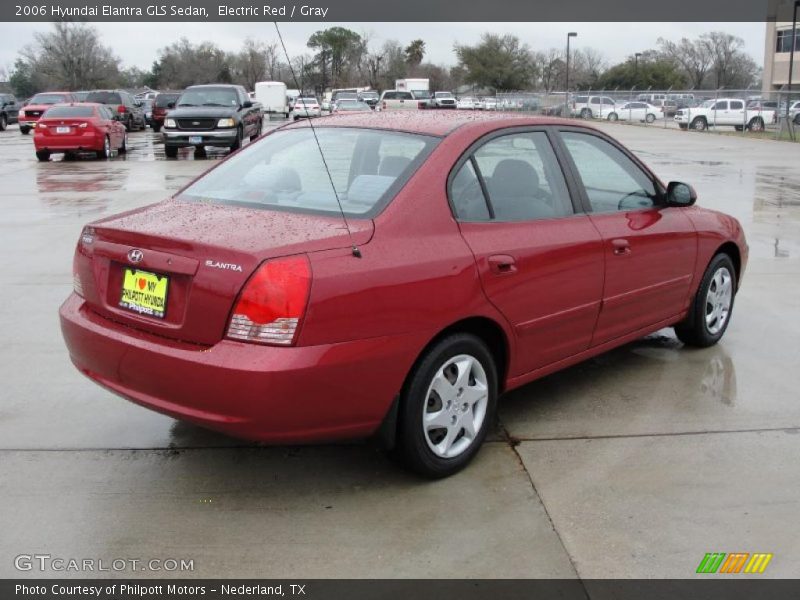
[744, 110]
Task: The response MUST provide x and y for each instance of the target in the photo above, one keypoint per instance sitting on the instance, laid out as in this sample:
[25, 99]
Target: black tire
[797, 119]
[156, 127]
[3, 122]
[699, 124]
[683, 125]
[171, 151]
[24, 130]
[43, 155]
[756, 124]
[124, 147]
[613, 116]
[586, 113]
[105, 153]
[695, 330]
[650, 118]
[238, 142]
[257, 134]
[129, 124]
[413, 440]
[738, 127]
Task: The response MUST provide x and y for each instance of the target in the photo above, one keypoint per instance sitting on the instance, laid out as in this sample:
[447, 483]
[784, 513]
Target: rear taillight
[121, 109]
[83, 125]
[272, 303]
[42, 125]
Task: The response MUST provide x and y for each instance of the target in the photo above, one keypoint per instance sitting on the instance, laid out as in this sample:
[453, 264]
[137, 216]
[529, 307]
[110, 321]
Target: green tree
[23, 79]
[337, 49]
[415, 52]
[499, 62]
[650, 71]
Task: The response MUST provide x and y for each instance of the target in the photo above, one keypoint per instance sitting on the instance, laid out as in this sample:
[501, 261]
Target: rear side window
[70, 111]
[613, 182]
[285, 171]
[163, 100]
[469, 203]
[104, 97]
[522, 177]
[736, 105]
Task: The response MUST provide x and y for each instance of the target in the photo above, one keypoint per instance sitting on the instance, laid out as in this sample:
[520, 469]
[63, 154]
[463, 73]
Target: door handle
[621, 247]
[502, 264]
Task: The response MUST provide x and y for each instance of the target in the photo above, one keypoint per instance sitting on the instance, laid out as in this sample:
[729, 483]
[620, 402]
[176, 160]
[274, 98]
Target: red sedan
[82, 127]
[437, 261]
[30, 113]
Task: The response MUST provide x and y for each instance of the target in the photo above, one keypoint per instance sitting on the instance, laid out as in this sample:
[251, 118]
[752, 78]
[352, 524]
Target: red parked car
[164, 102]
[484, 251]
[82, 127]
[30, 113]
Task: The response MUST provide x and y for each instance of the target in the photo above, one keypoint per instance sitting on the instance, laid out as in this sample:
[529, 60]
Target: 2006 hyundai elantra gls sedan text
[483, 252]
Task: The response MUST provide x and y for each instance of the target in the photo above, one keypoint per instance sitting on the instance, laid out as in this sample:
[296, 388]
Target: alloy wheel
[455, 406]
[718, 300]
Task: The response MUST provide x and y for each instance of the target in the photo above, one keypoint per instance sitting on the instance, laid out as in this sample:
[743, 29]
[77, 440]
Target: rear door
[649, 249]
[540, 262]
[735, 114]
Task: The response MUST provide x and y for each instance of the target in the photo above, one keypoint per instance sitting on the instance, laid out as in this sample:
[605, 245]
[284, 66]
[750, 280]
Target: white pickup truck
[730, 112]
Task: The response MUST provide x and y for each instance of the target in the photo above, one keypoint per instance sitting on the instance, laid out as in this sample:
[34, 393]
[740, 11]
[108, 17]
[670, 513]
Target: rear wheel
[129, 124]
[105, 153]
[24, 130]
[447, 406]
[124, 147]
[156, 127]
[3, 122]
[586, 113]
[171, 151]
[650, 118]
[257, 134]
[43, 155]
[797, 119]
[756, 124]
[711, 309]
[613, 116]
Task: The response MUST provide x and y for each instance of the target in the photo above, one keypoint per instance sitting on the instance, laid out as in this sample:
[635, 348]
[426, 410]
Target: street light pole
[571, 34]
[791, 58]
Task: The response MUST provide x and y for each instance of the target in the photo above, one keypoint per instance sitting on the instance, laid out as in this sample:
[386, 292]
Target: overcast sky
[138, 43]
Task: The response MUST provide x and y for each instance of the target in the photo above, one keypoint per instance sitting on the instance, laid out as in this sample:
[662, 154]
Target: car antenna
[354, 248]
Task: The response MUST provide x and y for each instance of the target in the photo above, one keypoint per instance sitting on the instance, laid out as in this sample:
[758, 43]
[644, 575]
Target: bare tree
[725, 52]
[551, 65]
[71, 57]
[693, 57]
[251, 63]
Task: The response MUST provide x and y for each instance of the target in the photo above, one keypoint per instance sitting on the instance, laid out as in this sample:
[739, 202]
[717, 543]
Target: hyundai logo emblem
[135, 255]
[195, 122]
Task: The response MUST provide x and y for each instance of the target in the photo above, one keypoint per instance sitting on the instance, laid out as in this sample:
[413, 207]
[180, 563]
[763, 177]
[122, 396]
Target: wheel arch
[484, 328]
[732, 250]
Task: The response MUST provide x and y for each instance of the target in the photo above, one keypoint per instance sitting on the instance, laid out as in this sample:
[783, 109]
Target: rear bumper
[57, 143]
[180, 138]
[262, 393]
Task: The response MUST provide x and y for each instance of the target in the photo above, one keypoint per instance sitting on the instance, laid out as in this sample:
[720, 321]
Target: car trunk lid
[205, 252]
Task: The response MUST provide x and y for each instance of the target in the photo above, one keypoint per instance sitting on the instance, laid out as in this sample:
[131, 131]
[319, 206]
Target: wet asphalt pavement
[633, 464]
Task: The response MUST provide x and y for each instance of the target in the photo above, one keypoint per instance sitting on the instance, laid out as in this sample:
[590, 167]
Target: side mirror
[680, 194]
[247, 104]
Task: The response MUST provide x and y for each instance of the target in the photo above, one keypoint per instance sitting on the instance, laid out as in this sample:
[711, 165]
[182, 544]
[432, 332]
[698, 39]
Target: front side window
[522, 177]
[721, 105]
[613, 182]
[285, 171]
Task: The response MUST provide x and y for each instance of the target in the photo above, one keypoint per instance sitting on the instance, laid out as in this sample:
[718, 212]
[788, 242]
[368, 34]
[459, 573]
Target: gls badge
[224, 266]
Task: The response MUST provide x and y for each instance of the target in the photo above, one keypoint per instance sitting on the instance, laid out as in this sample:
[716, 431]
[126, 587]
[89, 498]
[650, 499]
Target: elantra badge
[135, 256]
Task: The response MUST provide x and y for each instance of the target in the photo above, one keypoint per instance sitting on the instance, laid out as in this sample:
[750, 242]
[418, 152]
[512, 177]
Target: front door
[650, 249]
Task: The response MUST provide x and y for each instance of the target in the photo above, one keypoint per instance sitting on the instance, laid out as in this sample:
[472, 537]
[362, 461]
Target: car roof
[431, 122]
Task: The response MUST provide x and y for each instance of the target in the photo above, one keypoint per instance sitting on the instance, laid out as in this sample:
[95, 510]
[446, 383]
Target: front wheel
[756, 124]
[797, 119]
[124, 147]
[711, 309]
[699, 124]
[257, 134]
[586, 113]
[650, 118]
[156, 127]
[171, 151]
[613, 117]
[447, 406]
[238, 141]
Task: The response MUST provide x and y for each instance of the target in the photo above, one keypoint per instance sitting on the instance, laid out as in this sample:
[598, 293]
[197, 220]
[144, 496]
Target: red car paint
[34, 110]
[552, 292]
[86, 133]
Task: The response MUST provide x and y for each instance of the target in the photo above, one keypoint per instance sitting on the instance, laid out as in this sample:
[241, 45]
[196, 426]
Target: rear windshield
[104, 97]
[369, 94]
[70, 111]
[48, 99]
[209, 97]
[285, 171]
[421, 94]
[162, 100]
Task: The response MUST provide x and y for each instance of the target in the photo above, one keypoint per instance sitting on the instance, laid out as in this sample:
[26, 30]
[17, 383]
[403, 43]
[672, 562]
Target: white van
[272, 96]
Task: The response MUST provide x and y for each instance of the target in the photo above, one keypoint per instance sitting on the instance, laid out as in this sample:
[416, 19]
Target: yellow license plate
[144, 292]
